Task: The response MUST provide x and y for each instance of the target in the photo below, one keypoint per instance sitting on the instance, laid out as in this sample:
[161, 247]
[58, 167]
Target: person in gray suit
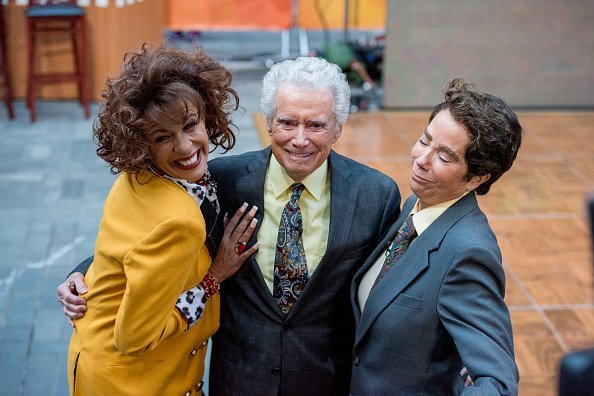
[430, 298]
[262, 348]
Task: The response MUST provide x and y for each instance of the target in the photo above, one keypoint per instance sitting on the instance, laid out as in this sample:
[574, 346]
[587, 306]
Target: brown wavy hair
[493, 129]
[154, 81]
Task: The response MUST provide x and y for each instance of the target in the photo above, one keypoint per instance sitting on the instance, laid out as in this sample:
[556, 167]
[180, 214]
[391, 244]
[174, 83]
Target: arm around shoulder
[83, 266]
[69, 292]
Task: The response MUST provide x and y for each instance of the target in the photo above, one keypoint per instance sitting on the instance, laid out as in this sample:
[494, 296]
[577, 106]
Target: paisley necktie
[290, 266]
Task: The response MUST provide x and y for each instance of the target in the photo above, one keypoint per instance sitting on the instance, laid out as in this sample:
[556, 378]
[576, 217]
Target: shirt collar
[422, 219]
[315, 183]
[203, 188]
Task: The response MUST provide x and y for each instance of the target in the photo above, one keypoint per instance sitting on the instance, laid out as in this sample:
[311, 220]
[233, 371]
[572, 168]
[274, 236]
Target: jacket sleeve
[471, 307]
[83, 266]
[157, 270]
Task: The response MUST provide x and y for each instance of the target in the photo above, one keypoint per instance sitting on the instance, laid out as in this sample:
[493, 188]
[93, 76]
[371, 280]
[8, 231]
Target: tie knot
[297, 190]
[408, 231]
[293, 203]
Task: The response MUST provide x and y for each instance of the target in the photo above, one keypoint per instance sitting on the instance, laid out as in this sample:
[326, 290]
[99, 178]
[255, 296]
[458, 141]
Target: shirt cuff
[191, 304]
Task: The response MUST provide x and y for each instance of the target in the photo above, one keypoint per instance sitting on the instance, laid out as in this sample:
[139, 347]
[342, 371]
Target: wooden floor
[538, 213]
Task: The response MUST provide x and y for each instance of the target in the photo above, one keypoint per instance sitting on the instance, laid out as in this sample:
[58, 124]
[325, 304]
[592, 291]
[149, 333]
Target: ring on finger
[240, 247]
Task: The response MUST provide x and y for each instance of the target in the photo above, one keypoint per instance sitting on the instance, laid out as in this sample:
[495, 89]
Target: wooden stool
[4, 61]
[49, 17]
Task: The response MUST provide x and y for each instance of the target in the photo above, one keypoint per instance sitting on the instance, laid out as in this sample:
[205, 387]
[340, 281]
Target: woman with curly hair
[152, 287]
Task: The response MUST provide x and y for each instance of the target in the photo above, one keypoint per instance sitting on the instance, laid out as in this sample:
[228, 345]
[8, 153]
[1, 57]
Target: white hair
[311, 72]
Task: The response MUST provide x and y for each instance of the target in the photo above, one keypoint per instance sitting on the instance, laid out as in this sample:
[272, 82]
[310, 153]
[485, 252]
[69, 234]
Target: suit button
[204, 344]
[198, 387]
[287, 326]
[193, 353]
[276, 370]
[356, 361]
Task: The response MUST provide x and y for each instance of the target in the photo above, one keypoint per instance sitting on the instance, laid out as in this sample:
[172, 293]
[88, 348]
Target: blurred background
[535, 54]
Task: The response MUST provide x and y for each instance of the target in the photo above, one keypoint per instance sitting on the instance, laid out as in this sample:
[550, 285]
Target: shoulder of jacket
[365, 174]
[225, 162]
[158, 193]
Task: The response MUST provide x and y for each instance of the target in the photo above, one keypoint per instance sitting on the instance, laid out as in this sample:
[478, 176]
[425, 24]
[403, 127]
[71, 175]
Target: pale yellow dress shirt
[422, 219]
[315, 211]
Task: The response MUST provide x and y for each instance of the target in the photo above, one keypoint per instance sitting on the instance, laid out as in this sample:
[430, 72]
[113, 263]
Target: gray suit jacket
[440, 308]
[257, 351]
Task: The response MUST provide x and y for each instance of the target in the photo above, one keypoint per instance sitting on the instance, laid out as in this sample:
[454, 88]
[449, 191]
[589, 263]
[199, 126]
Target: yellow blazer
[132, 339]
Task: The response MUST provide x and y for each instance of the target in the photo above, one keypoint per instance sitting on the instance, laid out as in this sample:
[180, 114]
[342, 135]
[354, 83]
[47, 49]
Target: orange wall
[363, 14]
[111, 32]
[273, 14]
[229, 14]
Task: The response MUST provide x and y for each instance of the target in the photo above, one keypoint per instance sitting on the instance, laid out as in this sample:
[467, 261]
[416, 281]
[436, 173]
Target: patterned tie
[290, 266]
[404, 236]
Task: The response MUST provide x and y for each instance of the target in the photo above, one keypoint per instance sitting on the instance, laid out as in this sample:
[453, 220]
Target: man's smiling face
[303, 129]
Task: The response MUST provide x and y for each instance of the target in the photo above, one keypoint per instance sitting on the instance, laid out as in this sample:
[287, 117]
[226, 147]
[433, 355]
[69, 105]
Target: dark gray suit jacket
[257, 351]
[439, 309]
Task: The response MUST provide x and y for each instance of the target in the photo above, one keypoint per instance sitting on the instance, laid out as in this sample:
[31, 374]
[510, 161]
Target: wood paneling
[112, 31]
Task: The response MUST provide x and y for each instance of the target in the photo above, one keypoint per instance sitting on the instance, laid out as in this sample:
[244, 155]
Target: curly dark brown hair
[494, 132]
[154, 81]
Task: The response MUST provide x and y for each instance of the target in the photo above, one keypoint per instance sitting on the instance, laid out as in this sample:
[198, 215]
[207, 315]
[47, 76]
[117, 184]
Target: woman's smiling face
[181, 150]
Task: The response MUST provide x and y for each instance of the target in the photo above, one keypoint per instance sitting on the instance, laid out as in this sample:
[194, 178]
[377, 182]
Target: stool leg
[84, 68]
[80, 51]
[74, 34]
[31, 77]
[6, 82]
[5, 74]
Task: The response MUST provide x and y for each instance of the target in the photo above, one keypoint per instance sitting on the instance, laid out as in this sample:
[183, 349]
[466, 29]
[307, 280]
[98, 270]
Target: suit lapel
[250, 186]
[412, 263]
[379, 250]
[343, 201]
